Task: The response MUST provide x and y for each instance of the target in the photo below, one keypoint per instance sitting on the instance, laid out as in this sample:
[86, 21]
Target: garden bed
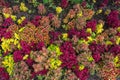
[59, 39]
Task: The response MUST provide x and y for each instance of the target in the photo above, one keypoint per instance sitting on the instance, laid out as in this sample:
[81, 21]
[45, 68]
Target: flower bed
[59, 39]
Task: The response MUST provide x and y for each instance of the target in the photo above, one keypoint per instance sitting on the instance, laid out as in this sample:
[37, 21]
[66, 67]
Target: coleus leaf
[76, 1]
[40, 77]
[47, 1]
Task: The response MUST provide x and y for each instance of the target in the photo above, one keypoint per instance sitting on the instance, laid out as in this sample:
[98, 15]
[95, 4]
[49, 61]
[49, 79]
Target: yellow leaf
[25, 57]
[99, 28]
[6, 15]
[23, 7]
[19, 21]
[118, 29]
[21, 29]
[16, 36]
[19, 46]
[118, 40]
[90, 58]
[16, 42]
[99, 11]
[13, 17]
[79, 14]
[81, 67]
[64, 36]
[108, 42]
[23, 17]
[116, 59]
[89, 30]
[58, 10]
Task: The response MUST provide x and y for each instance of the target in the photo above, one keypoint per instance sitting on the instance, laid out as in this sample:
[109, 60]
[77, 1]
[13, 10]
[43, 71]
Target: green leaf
[40, 77]
[88, 5]
[16, 1]
[0, 54]
[93, 35]
[29, 11]
[35, 4]
[47, 1]
[52, 6]
[76, 1]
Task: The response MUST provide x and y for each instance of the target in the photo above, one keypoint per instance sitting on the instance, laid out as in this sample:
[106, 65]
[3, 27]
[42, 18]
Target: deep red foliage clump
[83, 74]
[40, 45]
[113, 19]
[54, 36]
[68, 58]
[115, 49]
[18, 56]
[36, 21]
[2, 31]
[79, 33]
[92, 24]
[97, 47]
[43, 72]
[7, 35]
[3, 74]
[64, 3]
[29, 62]
[7, 22]
[104, 3]
[26, 48]
[96, 56]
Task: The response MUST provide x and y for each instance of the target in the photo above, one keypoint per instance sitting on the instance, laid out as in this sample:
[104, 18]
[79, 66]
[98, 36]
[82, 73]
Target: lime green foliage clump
[55, 48]
[55, 63]
[8, 63]
[117, 61]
